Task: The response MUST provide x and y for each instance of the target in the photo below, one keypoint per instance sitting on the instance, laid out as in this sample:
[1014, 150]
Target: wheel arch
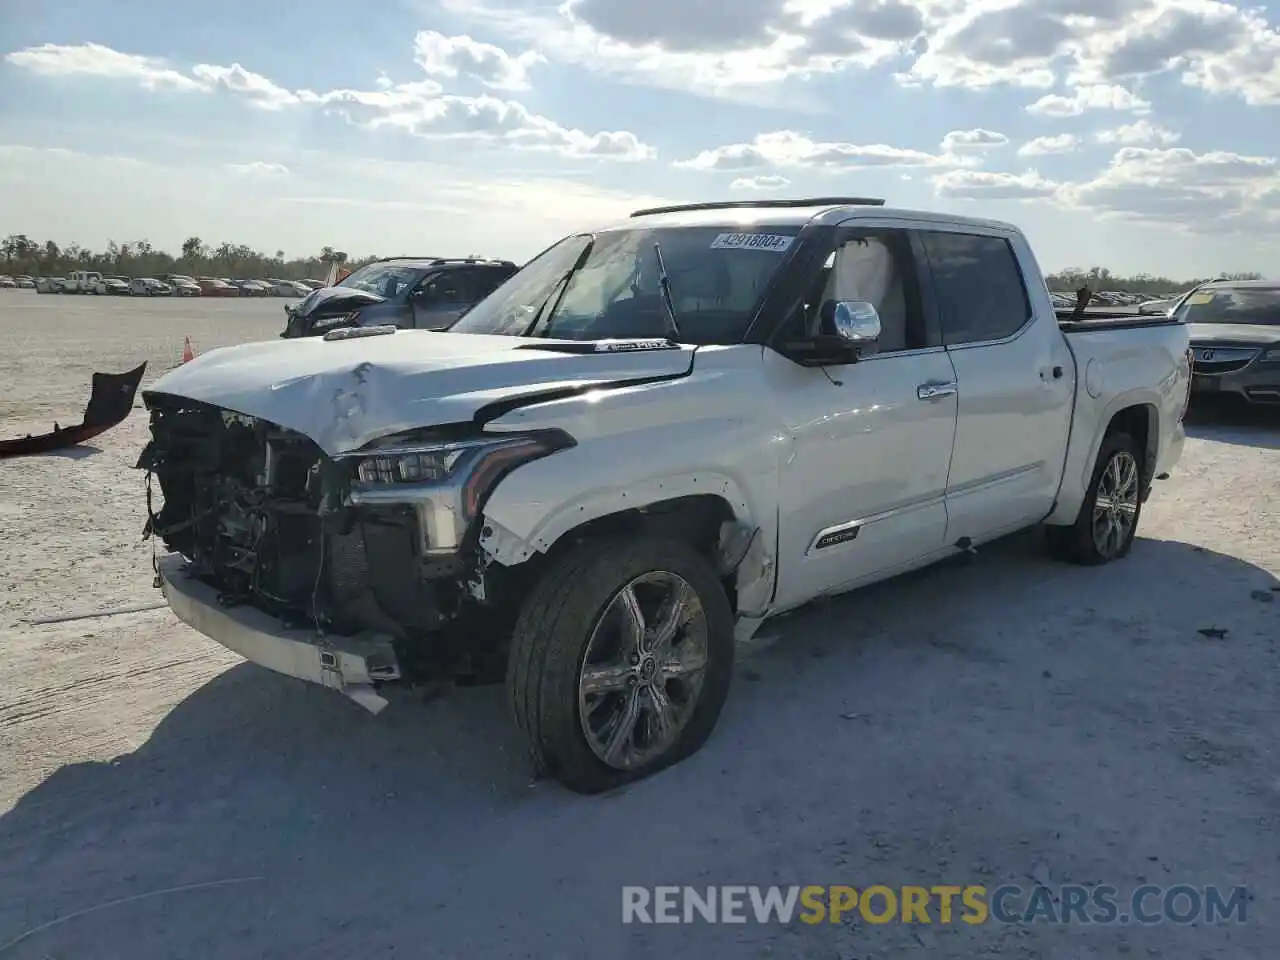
[707, 510]
[1137, 414]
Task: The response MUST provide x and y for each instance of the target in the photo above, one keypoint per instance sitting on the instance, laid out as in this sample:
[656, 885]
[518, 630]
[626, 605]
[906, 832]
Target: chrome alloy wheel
[1115, 508]
[643, 671]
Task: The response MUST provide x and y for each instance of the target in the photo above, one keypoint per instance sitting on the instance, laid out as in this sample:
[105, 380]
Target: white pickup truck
[648, 441]
[82, 281]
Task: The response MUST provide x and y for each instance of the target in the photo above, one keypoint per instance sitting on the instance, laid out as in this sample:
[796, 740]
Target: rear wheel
[621, 661]
[1107, 523]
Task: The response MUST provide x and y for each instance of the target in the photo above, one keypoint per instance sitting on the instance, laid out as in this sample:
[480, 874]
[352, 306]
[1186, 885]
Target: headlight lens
[409, 467]
[470, 467]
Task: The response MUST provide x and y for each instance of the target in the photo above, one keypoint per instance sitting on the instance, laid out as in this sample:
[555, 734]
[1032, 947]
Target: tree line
[21, 255]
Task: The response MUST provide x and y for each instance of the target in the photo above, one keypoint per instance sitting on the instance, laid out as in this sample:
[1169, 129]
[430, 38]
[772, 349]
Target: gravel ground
[991, 722]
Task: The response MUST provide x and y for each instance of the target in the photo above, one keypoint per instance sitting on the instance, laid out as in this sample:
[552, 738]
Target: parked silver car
[149, 287]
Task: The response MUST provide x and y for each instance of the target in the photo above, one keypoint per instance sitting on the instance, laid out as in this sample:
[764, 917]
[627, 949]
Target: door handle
[935, 391]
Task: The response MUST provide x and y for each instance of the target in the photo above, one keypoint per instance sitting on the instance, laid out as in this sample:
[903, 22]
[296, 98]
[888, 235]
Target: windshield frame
[1182, 312]
[555, 288]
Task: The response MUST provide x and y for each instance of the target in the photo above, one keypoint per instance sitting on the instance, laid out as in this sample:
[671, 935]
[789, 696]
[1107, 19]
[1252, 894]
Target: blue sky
[1136, 134]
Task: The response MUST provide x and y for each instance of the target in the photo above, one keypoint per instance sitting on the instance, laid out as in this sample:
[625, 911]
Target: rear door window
[978, 285]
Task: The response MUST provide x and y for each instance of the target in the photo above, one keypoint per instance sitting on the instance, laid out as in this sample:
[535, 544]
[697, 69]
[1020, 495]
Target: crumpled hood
[335, 300]
[1258, 333]
[344, 394]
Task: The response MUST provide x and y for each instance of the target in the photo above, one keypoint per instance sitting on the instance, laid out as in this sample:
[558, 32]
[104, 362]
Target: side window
[444, 288]
[876, 266]
[485, 281]
[981, 294]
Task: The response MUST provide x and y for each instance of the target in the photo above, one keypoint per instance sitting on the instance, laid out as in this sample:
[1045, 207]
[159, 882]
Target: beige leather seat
[868, 272]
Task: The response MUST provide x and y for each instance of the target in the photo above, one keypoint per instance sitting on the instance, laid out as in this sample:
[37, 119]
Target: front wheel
[620, 661]
[1107, 523]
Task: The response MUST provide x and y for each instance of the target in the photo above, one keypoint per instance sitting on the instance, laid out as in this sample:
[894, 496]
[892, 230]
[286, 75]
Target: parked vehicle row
[645, 443]
[96, 283]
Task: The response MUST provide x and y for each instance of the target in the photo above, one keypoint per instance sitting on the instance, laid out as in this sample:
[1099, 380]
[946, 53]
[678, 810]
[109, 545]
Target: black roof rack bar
[758, 204]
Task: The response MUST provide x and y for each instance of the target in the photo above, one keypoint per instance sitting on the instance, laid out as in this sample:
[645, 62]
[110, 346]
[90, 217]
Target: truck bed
[1108, 320]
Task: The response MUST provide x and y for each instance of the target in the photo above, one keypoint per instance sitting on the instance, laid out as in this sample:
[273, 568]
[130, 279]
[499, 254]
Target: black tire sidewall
[548, 653]
[1112, 445]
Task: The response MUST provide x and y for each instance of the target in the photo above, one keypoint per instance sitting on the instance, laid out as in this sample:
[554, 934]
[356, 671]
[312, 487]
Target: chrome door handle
[935, 391]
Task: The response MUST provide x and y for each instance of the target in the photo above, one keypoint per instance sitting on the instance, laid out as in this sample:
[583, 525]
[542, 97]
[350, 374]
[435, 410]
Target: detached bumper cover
[350, 665]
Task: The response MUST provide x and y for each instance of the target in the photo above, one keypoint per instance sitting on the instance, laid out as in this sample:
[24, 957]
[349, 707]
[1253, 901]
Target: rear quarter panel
[1118, 369]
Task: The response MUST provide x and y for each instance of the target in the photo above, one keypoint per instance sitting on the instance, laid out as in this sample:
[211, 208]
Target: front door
[1016, 380]
[863, 481]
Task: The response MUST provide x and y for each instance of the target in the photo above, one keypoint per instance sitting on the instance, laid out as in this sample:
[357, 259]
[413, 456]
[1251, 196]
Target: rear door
[1015, 378]
[441, 299]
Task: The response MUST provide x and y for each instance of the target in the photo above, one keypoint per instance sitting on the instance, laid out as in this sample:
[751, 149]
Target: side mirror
[849, 330]
[855, 321]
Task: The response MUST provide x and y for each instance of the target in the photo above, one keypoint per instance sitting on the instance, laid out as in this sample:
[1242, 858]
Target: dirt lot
[990, 723]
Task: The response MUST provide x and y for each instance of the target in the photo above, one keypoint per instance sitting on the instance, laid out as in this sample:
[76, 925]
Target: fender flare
[1065, 510]
[503, 538]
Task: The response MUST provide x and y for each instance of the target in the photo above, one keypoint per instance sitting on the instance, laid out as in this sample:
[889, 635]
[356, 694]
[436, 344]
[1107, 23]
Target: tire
[1120, 457]
[554, 633]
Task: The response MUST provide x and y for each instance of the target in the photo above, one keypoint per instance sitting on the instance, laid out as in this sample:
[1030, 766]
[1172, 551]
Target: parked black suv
[425, 293]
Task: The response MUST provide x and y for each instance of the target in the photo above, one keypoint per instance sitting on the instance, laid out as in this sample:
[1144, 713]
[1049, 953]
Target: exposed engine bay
[263, 516]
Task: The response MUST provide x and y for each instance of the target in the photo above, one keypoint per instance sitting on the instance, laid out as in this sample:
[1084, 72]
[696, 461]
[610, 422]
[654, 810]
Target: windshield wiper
[668, 305]
[558, 291]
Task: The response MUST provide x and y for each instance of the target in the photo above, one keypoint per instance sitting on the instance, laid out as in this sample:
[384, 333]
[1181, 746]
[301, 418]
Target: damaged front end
[352, 571]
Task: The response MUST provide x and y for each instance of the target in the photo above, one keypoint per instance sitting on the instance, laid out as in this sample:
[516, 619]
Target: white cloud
[760, 183]
[425, 113]
[442, 56]
[253, 87]
[989, 185]
[1135, 134]
[1092, 97]
[708, 48]
[420, 107]
[1042, 146]
[1216, 46]
[1214, 192]
[786, 148]
[718, 48]
[259, 168]
[975, 139]
[95, 60]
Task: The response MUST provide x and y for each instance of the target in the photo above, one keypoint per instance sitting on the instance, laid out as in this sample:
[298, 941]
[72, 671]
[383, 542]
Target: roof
[789, 213]
[447, 261]
[1247, 284]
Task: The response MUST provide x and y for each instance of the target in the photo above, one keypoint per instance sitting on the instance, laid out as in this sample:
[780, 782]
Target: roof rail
[757, 204]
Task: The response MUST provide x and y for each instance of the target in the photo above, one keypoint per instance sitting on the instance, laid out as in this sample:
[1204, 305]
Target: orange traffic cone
[187, 353]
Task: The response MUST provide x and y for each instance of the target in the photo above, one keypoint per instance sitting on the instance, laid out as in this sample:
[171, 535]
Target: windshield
[1255, 305]
[384, 279]
[717, 280]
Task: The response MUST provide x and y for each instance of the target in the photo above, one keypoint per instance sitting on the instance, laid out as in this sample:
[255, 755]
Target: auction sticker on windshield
[752, 241]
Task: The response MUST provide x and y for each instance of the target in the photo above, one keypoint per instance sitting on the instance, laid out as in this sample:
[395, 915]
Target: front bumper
[354, 666]
[1256, 380]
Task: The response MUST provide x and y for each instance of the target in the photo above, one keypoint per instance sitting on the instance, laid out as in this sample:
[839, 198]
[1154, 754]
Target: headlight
[1272, 354]
[446, 482]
